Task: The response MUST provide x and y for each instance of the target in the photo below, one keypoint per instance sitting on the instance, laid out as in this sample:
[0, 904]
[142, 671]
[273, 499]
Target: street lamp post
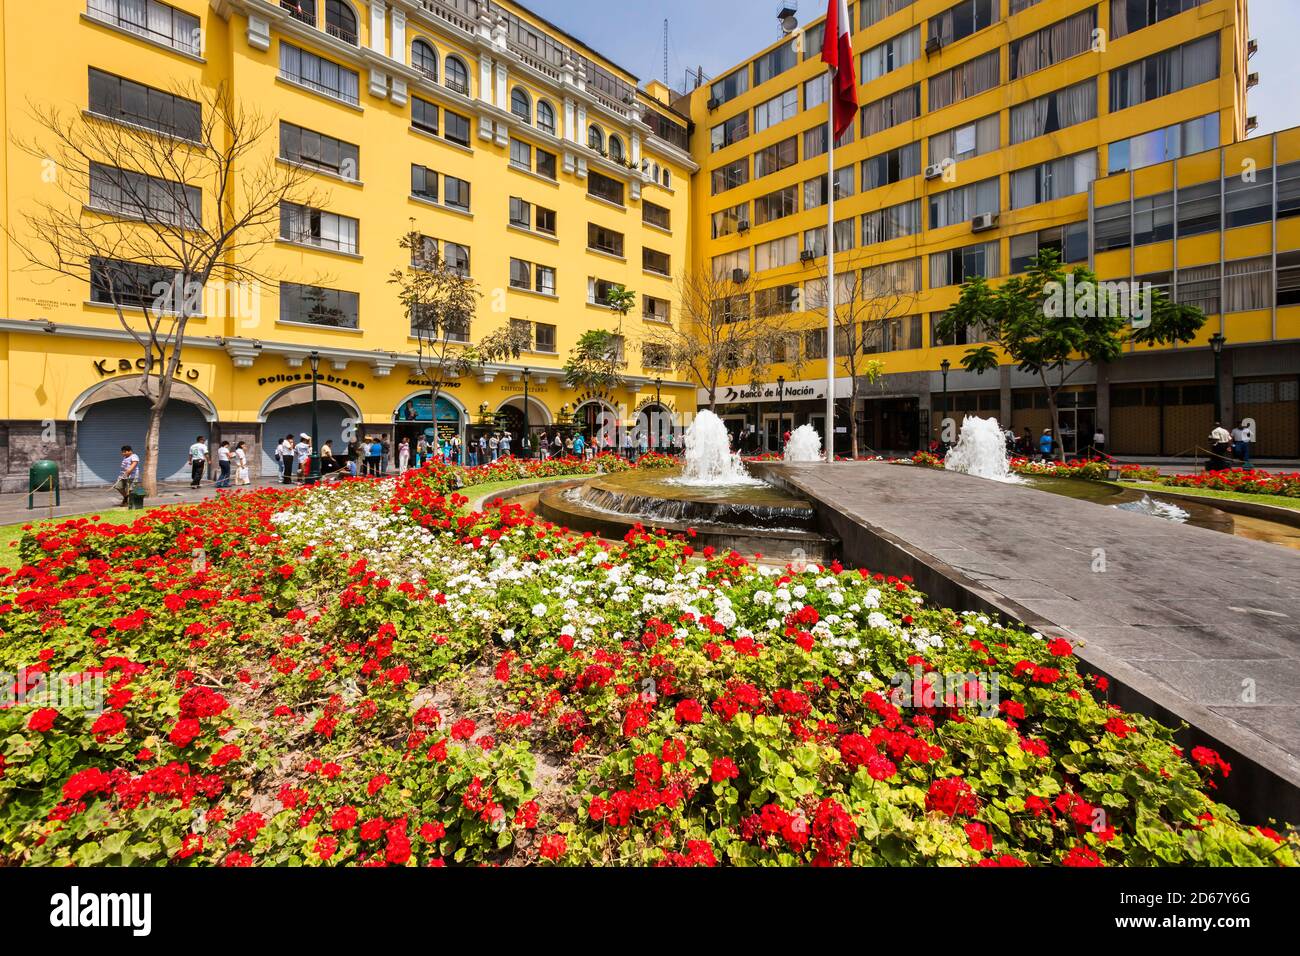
[526, 442]
[943, 423]
[315, 422]
[655, 425]
[780, 413]
[1217, 342]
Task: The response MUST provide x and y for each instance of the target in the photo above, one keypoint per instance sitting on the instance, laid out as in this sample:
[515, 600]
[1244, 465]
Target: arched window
[616, 149]
[521, 105]
[668, 178]
[457, 75]
[340, 21]
[546, 117]
[424, 59]
[595, 138]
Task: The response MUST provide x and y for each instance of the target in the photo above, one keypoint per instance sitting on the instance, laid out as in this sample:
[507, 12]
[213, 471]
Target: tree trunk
[853, 420]
[1056, 425]
[149, 466]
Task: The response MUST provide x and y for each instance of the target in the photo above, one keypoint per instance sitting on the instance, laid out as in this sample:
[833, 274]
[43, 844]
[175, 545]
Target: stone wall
[25, 442]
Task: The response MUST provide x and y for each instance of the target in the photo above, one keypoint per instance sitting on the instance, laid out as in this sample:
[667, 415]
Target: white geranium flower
[539, 610]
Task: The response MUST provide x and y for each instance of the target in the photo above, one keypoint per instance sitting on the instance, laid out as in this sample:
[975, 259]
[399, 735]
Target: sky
[631, 34]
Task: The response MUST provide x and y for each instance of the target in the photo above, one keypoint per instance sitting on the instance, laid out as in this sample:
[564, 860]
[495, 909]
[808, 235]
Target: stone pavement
[80, 501]
[1190, 624]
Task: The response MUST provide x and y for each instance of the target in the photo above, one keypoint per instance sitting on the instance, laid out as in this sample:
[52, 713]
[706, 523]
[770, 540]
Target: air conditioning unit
[984, 222]
[742, 225]
[1252, 80]
[1252, 123]
[713, 103]
[739, 275]
[934, 171]
[933, 46]
[1252, 47]
[807, 255]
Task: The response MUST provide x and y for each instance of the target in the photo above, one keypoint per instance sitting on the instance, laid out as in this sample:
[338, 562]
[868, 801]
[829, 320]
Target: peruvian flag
[837, 53]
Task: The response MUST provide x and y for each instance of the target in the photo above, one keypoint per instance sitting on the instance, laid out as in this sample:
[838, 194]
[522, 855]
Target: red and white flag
[837, 53]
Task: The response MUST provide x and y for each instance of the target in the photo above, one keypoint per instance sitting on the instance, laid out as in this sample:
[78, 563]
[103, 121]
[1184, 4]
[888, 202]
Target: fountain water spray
[709, 458]
[981, 450]
[804, 445]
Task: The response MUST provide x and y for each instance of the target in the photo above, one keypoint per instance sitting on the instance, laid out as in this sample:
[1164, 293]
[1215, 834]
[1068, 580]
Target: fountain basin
[748, 518]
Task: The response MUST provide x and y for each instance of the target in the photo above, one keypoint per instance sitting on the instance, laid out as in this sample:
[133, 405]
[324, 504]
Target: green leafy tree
[596, 361]
[1052, 321]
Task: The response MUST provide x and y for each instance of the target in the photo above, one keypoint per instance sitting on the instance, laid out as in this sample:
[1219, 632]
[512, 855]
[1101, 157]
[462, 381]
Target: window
[521, 213]
[964, 203]
[889, 56]
[546, 164]
[1018, 6]
[1247, 203]
[777, 253]
[1248, 284]
[1070, 241]
[137, 196]
[778, 156]
[1168, 72]
[521, 104]
[457, 75]
[1055, 111]
[656, 355]
[544, 220]
[657, 216]
[1288, 190]
[457, 128]
[816, 91]
[545, 117]
[1172, 142]
[668, 130]
[521, 154]
[544, 337]
[729, 87]
[892, 335]
[129, 284]
[892, 278]
[1288, 278]
[962, 335]
[814, 240]
[142, 105]
[814, 140]
[891, 167]
[728, 132]
[1052, 180]
[599, 290]
[315, 227]
[1199, 287]
[776, 110]
[456, 257]
[521, 274]
[727, 221]
[152, 20]
[778, 300]
[654, 261]
[340, 21]
[1153, 219]
[962, 20]
[455, 192]
[424, 115]
[965, 80]
[815, 192]
[1127, 16]
[873, 11]
[425, 59]
[1113, 226]
[654, 310]
[616, 151]
[955, 266]
[424, 183]
[1052, 44]
[727, 263]
[892, 222]
[735, 173]
[891, 110]
[1199, 209]
[774, 62]
[545, 280]
[602, 187]
[319, 74]
[604, 240]
[316, 305]
[966, 141]
[299, 145]
[776, 205]
[595, 139]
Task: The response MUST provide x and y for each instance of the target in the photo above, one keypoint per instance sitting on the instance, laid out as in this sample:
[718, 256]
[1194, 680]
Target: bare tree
[868, 298]
[724, 332]
[150, 212]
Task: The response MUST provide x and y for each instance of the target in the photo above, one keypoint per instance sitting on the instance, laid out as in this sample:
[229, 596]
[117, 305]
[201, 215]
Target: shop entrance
[775, 427]
[442, 433]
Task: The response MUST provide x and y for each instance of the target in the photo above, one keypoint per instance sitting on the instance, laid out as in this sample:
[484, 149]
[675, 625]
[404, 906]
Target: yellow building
[983, 126]
[529, 158]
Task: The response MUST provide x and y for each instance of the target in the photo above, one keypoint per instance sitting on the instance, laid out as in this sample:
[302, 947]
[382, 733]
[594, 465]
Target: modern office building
[527, 158]
[986, 129]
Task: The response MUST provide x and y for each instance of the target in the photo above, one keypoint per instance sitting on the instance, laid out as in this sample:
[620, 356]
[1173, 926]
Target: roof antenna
[665, 51]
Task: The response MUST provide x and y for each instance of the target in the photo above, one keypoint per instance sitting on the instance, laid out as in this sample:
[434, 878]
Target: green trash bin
[136, 500]
[43, 478]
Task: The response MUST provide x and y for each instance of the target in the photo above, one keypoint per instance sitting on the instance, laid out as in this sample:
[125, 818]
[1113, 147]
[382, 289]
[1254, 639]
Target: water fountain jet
[804, 445]
[981, 450]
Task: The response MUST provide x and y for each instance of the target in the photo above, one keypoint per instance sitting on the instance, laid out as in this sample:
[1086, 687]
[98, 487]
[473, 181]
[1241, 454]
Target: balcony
[301, 10]
[342, 31]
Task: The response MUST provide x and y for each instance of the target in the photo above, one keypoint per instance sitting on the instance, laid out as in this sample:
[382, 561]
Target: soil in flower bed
[369, 674]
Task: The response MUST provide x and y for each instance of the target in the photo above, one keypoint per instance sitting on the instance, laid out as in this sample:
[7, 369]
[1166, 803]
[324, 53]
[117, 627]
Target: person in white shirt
[223, 465]
[198, 458]
[302, 453]
[284, 455]
[240, 456]
[1220, 448]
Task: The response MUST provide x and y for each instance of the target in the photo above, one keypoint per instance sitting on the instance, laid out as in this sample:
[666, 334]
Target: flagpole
[830, 271]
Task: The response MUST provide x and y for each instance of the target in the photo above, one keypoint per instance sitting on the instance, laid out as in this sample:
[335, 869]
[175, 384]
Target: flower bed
[364, 673]
[1088, 469]
[1134, 472]
[1247, 481]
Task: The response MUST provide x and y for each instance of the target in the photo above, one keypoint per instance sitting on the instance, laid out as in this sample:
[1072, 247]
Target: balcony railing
[304, 13]
[341, 33]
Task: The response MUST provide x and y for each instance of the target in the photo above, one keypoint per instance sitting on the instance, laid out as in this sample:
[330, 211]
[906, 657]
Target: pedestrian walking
[128, 474]
[284, 456]
[1241, 444]
[404, 455]
[198, 459]
[240, 464]
[223, 465]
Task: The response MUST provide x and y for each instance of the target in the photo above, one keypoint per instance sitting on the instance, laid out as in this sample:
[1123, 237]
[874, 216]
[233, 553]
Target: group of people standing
[231, 462]
[1229, 449]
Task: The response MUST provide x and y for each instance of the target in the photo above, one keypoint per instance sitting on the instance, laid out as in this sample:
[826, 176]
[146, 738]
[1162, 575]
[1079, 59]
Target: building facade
[990, 129]
[530, 160]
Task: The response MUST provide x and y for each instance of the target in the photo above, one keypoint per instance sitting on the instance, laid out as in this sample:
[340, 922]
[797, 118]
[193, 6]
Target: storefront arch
[599, 423]
[412, 420]
[288, 412]
[114, 413]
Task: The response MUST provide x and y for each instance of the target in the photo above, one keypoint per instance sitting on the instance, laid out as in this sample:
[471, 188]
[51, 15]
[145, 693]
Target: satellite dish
[789, 24]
